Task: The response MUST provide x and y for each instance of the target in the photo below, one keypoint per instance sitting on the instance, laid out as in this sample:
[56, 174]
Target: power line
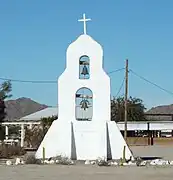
[27, 81]
[42, 81]
[111, 72]
[121, 86]
[154, 84]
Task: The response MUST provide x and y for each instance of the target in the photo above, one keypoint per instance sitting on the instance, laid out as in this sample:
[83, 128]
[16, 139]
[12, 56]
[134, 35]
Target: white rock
[171, 162]
[143, 163]
[132, 159]
[71, 162]
[159, 162]
[51, 161]
[87, 162]
[18, 161]
[22, 162]
[109, 163]
[153, 163]
[46, 162]
[57, 161]
[130, 163]
[166, 163]
[93, 162]
[125, 164]
[8, 163]
[42, 162]
[100, 159]
[114, 163]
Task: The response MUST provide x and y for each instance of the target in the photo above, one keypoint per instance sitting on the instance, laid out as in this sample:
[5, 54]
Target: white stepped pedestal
[84, 141]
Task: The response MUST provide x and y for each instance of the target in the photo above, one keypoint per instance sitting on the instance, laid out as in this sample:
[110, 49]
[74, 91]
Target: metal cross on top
[84, 20]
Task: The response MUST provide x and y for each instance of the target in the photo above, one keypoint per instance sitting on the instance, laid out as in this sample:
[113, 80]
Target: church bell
[84, 104]
[85, 70]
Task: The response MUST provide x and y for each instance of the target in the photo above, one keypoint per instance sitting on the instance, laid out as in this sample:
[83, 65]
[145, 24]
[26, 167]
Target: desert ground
[84, 172]
[163, 151]
[93, 172]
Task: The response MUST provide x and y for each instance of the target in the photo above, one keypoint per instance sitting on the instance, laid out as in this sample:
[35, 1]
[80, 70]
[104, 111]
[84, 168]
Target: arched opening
[84, 67]
[84, 104]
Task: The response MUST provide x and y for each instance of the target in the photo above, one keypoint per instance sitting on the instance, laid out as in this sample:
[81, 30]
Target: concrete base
[116, 143]
[57, 141]
[84, 141]
[90, 140]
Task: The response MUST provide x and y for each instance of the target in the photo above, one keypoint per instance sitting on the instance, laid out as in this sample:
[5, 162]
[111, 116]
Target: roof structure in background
[53, 111]
[145, 125]
[48, 112]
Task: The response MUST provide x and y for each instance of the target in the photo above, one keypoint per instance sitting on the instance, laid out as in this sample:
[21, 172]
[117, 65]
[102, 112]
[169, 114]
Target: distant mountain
[21, 107]
[164, 109]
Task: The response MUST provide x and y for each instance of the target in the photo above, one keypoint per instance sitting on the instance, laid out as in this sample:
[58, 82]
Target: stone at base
[8, 163]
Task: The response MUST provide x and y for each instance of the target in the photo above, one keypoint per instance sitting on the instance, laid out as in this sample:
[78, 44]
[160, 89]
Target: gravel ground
[85, 172]
[54, 172]
[165, 152]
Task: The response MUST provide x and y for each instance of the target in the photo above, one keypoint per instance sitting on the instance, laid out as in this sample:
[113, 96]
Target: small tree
[5, 89]
[34, 136]
[2, 110]
[135, 106]
[47, 122]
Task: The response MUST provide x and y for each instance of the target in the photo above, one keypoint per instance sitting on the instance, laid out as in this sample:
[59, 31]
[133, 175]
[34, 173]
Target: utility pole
[126, 99]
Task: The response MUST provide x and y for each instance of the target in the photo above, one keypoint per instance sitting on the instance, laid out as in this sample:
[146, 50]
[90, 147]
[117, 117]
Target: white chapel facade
[84, 129]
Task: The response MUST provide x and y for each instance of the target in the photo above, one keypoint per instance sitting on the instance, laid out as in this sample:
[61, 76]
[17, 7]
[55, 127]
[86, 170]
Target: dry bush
[102, 163]
[30, 159]
[34, 136]
[64, 160]
[8, 151]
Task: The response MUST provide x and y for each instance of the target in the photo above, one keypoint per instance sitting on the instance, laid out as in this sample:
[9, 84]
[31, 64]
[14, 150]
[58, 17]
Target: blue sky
[34, 36]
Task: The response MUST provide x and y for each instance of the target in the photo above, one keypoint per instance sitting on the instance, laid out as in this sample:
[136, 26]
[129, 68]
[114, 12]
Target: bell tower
[84, 87]
[83, 129]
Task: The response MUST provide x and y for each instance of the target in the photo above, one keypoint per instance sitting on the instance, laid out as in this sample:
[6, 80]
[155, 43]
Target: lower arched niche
[84, 104]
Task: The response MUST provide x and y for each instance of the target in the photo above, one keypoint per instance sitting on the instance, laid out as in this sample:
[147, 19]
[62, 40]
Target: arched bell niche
[84, 67]
[84, 104]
